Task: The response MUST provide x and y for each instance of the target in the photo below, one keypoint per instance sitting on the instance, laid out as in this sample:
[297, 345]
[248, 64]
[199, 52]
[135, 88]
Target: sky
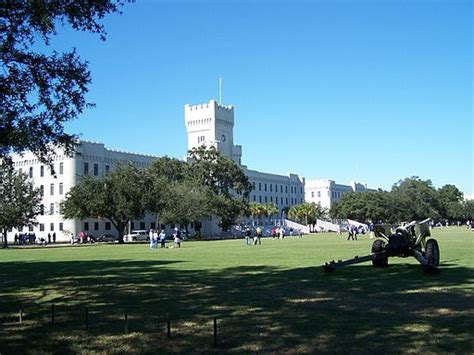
[372, 91]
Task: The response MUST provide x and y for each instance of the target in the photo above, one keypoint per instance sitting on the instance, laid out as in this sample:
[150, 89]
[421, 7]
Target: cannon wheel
[378, 246]
[432, 253]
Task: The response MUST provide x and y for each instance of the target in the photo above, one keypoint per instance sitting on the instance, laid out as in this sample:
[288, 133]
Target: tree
[19, 200]
[120, 196]
[225, 179]
[468, 210]
[414, 199]
[365, 206]
[162, 178]
[450, 202]
[40, 91]
[186, 203]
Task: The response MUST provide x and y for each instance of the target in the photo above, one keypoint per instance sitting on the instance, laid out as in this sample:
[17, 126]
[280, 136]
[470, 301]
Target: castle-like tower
[212, 124]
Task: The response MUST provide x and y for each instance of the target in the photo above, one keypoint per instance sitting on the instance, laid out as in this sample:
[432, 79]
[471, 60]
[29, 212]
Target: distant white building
[326, 192]
[89, 159]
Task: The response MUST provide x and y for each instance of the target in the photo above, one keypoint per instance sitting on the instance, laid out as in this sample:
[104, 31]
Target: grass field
[269, 298]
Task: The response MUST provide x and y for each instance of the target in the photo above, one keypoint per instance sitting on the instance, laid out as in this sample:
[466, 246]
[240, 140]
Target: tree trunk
[120, 228]
[5, 242]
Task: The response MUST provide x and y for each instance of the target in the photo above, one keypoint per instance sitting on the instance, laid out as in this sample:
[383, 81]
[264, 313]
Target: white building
[208, 124]
[89, 158]
[326, 192]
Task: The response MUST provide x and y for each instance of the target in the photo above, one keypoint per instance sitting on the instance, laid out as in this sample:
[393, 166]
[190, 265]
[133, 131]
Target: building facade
[325, 192]
[90, 158]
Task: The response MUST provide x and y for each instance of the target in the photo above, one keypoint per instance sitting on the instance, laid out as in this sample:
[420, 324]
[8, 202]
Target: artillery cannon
[408, 240]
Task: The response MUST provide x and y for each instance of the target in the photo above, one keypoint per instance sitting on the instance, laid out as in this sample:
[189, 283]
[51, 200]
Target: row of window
[35, 161]
[265, 199]
[293, 189]
[108, 226]
[201, 139]
[51, 189]
[42, 228]
[96, 169]
[334, 194]
[52, 209]
[52, 171]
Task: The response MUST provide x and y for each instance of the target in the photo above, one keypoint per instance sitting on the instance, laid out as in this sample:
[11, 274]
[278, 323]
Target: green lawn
[269, 298]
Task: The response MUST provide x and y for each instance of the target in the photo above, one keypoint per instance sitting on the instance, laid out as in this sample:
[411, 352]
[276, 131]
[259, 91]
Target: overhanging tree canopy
[40, 91]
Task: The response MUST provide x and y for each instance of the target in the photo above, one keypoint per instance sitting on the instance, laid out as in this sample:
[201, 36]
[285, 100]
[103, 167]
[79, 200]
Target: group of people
[257, 239]
[30, 238]
[353, 232]
[161, 237]
[278, 233]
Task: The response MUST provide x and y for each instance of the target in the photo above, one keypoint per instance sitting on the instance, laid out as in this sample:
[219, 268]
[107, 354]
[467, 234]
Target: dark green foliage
[40, 91]
[450, 202]
[19, 200]
[365, 206]
[410, 199]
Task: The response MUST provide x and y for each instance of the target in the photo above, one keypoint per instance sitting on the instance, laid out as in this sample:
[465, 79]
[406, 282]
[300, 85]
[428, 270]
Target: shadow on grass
[356, 309]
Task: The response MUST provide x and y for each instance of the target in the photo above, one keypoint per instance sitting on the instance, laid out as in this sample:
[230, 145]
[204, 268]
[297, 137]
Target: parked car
[137, 236]
[107, 238]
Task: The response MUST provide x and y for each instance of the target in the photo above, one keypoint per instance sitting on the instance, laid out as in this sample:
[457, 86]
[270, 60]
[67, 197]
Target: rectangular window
[42, 170]
[265, 199]
[107, 226]
[153, 225]
[260, 199]
[86, 168]
[86, 226]
[271, 188]
[31, 172]
[61, 189]
[265, 186]
[51, 227]
[51, 189]
[271, 198]
[281, 200]
[42, 210]
[61, 168]
[96, 169]
[287, 201]
[142, 225]
[259, 186]
[286, 189]
[96, 226]
[319, 193]
[51, 208]
[107, 168]
[51, 169]
[132, 225]
[281, 188]
[61, 226]
[41, 227]
[42, 190]
[20, 170]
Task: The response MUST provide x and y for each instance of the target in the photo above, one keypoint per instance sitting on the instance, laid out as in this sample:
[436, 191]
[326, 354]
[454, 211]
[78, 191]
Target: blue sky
[373, 91]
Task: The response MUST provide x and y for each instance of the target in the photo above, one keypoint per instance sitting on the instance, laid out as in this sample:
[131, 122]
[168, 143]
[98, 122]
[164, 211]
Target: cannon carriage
[408, 240]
